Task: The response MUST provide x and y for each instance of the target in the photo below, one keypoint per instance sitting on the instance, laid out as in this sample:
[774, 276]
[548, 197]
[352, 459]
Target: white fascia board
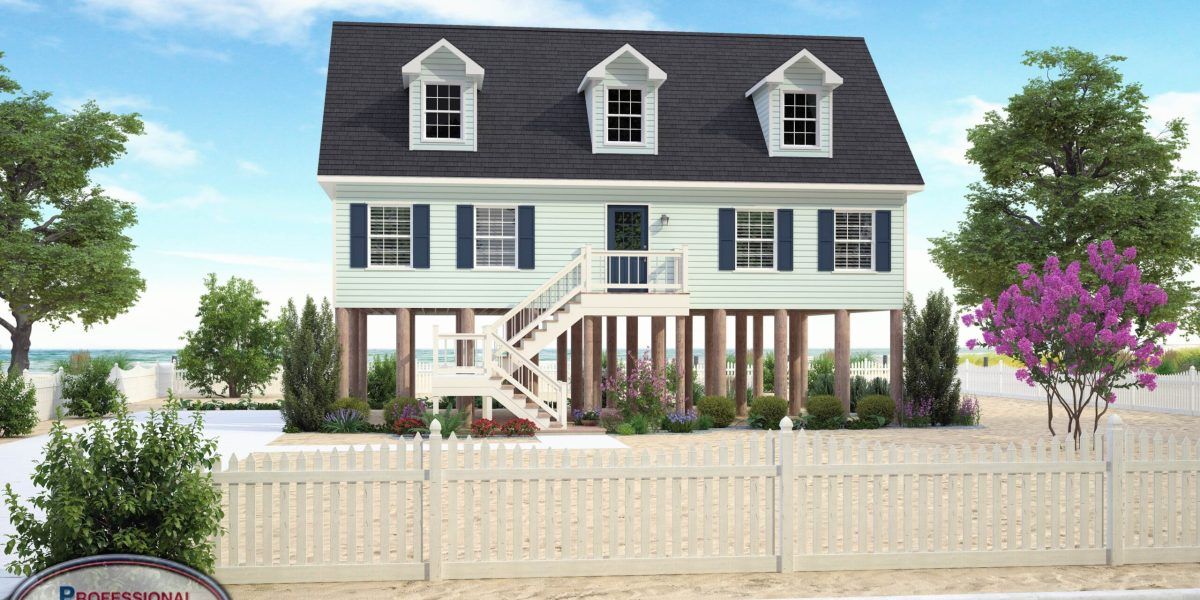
[412, 69]
[829, 79]
[329, 183]
[654, 75]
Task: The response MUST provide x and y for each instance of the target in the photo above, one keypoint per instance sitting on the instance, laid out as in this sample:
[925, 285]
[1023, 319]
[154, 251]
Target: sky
[231, 93]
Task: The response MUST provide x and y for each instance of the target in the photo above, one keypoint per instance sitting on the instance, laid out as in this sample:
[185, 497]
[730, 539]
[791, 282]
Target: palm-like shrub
[310, 365]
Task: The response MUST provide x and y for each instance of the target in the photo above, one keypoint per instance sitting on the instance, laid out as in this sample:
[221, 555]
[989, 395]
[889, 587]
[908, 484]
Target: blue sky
[231, 92]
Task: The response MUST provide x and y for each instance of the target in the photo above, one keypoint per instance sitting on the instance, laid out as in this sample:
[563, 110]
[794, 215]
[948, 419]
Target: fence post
[435, 501]
[1115, 496]
[1192, 390]
[786, 471]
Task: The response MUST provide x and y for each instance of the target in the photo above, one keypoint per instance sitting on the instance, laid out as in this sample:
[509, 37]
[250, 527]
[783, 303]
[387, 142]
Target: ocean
[46, 359]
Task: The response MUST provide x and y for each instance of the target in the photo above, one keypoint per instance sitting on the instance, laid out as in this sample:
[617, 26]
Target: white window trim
[604, 121]
[774, 241]
[462, 111]
[820, 102]
[516, 239]
[870, 242]
[410, 236]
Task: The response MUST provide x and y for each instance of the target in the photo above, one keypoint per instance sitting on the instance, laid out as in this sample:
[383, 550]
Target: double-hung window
[852, 235]
[799, 119]
[389, 230]
[755, 239]
[443, 112]
[624, 116]
[496, 237]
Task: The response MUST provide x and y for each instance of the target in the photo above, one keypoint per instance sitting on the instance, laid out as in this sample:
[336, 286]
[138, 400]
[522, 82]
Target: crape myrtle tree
[63, 246]
[1079, 342]
[1071, 161]
[235, 348]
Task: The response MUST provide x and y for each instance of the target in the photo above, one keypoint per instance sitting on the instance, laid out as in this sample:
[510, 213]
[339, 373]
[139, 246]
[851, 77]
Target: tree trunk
[231, 390]
[21, 337]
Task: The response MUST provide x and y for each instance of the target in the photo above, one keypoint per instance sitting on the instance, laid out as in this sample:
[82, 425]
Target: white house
[566, 179]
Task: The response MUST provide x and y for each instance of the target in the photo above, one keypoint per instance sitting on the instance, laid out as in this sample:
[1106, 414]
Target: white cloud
[290, 22]
[202, 197]
[945, 139]
[161, 146]
[125, 194]
[109, 101]
[177, 49]
[1172, 105]
[251, 168]
[275, 263]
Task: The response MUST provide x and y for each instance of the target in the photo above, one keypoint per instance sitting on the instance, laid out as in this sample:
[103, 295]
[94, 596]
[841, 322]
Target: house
[567, 180]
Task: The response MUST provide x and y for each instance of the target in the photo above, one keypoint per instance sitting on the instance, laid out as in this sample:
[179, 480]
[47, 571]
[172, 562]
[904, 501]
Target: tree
[1088, 340]
[1071, 163]
[931, 356]
[311, 365]
[62, 242]
[235, 345]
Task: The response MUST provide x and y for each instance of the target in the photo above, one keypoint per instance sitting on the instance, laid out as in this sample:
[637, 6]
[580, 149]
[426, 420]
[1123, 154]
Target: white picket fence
[1179, 393]
[776, 501]
[868, 368]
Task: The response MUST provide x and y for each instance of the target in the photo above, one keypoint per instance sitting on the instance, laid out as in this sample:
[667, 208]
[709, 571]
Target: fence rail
[776, 501]
[1179, 393]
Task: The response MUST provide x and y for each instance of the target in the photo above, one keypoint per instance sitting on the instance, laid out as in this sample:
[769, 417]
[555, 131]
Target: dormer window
[443, 112]
[624, 115]
[795, 107]
[799, 120]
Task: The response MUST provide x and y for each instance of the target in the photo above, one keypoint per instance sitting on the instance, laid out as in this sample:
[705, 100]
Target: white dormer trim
[655, 76]
[830, 79]
[412, 69]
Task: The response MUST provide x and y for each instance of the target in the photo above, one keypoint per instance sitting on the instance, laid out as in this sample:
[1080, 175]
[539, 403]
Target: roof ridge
[598, 30]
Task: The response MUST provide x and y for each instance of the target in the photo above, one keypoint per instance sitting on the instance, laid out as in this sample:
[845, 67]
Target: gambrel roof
[532, 121]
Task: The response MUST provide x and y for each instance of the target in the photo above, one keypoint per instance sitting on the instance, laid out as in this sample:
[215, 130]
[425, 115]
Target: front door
[628, 229]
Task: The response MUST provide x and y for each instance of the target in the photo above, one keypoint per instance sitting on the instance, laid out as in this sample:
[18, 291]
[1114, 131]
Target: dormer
[795, 107]
[443, 85]
[621, 96]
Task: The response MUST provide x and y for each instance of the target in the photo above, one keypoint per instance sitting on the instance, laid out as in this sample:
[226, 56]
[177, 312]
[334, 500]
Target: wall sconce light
[664, 219]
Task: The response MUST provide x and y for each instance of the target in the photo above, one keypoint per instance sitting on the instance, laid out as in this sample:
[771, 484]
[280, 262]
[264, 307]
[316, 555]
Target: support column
[591, 357]
[405, 384]
[841, 357]
[631, 343]
[896, 356]
[710, 336]
[610, 353]
[577, 389]
[682, 358]
[464, 352]
[739, 363]
[798, 359]
[758, 355]
[360, 390]
[560, 358]
[688, 373]
[782, 357]
[658, 345]
[342, 319]
[721, 381]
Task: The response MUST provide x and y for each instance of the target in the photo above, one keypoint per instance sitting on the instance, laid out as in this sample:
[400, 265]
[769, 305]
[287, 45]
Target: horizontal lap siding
[808, 77]
[568, 218]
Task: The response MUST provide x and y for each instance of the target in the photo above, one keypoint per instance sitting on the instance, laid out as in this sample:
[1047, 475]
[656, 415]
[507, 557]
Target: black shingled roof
[532, 122]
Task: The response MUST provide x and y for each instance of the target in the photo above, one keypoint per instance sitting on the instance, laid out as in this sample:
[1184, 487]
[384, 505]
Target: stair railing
[538, 306]
[527, 377]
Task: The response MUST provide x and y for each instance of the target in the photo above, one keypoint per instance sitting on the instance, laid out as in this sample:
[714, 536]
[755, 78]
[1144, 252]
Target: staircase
[594, 283]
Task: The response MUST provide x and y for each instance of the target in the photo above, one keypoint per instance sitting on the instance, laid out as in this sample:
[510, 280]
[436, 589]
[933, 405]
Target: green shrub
[396, 409]
[356, 404]
[820, 384]
[640, 423]
[931, 356]
[825, 407]
[18, 405]
[879, 386]
[720, 409]
[381, 380]
[859, 387]
[767, 411]
[121, 488]
[877, 405]
[868, 422]
[90, 394]
[235, 348]
[610, 418]
[1178, 361]
[344, 420]
[310, 365]
[704, 422]
[626, 429]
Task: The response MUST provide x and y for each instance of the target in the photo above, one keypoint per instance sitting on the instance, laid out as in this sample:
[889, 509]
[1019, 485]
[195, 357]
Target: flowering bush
[916, 412]
[610, 418]
[407, 425]
[639, 391]
[680, 422]
[968, 412]
[519, 428]
[484, 428]
[1089, 340]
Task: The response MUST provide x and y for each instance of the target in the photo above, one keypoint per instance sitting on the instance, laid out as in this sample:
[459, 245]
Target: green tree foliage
[310, 365]
[931, 355]
[235, 346]
[120, 487]
[381, 380]
[1071, 162]
[63, 246]
[89, 393]
[18, 405]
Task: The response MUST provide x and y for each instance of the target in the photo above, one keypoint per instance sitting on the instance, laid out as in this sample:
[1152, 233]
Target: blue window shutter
[883, 240]
[358, 236]
[525, 245]
[824, 240]
[466, 236]
[420, 233]
[725, 231]
[783, 244]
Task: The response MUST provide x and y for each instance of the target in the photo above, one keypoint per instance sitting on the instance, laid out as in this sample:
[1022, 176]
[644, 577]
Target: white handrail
[544, 379]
